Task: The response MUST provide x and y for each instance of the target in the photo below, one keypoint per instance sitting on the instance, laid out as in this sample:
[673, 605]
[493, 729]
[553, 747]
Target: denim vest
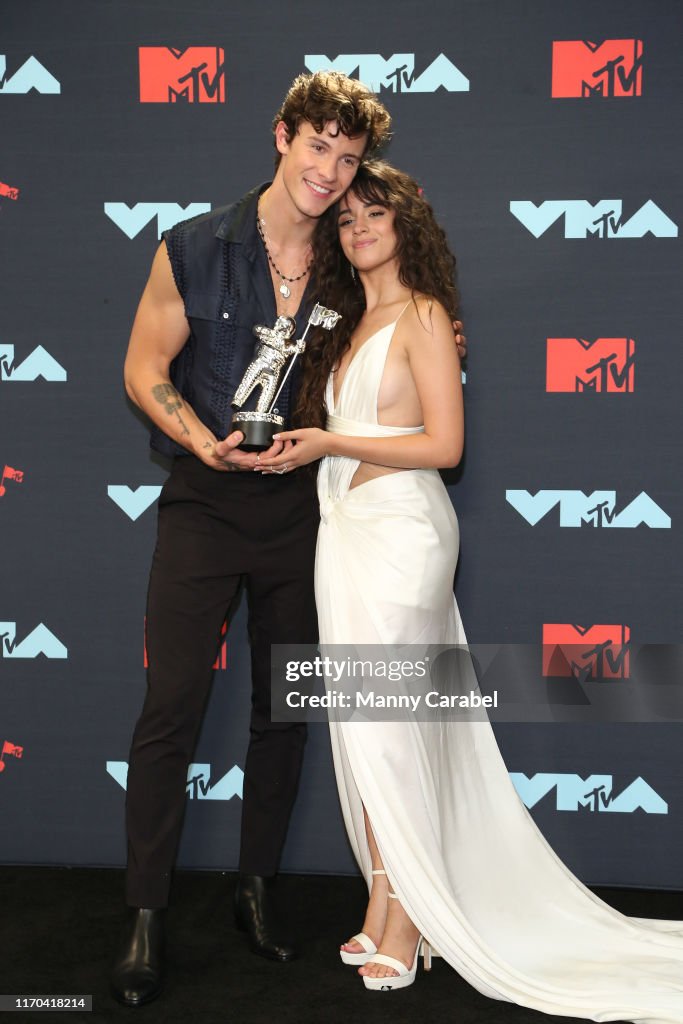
[221, 271]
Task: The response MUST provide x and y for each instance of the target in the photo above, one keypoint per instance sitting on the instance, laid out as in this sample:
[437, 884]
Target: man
[221, 524]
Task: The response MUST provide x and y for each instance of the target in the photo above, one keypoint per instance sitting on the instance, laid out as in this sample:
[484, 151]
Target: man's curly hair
[331, 96]
[426, 266]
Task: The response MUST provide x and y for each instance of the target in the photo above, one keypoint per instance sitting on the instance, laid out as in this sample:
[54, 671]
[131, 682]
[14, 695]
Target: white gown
[467, 861]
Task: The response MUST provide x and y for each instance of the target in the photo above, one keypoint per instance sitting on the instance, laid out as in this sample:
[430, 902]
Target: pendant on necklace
[284, 291]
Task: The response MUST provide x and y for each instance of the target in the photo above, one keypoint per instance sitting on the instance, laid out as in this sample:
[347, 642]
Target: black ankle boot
[254, 915]
[137, 974]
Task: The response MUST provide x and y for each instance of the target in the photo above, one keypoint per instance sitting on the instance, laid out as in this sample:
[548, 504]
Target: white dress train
[460, 849]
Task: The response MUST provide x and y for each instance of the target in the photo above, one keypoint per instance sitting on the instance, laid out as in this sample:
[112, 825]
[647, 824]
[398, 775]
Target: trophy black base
[258, 429]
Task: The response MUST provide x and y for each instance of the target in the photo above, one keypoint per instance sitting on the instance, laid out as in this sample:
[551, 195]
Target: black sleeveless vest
[221, 272]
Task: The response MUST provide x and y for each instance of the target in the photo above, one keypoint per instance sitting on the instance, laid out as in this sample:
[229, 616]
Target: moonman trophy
[270, 356]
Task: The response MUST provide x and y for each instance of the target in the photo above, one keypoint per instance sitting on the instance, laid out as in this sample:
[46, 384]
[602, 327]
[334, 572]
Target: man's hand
[460, 338]
[225, 455]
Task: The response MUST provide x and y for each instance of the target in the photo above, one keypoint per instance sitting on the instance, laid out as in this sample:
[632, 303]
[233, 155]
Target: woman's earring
[353, 271]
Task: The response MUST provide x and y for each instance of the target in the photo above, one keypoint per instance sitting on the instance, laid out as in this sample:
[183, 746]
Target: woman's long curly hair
[426, 266]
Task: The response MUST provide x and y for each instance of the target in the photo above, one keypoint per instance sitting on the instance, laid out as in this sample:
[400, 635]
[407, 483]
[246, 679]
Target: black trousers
[217, 530]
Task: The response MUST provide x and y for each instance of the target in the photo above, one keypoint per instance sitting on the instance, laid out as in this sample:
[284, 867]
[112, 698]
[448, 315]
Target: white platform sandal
[369, 947]
[359, 958]
[404, 975]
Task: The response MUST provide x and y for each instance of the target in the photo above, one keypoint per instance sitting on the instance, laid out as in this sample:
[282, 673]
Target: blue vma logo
[133, 219]
[604, 219]
[594, 793]
[31, 75]
[199, 785]
[395, 74]
[39, 641]
[38, 364]
[133, 501]
[597, 509]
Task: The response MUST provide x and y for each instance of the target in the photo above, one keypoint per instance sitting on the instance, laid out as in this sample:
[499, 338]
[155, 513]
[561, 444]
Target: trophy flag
[327, 317]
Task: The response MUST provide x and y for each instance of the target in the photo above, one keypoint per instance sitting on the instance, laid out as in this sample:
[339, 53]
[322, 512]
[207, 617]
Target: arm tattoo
[167, 396]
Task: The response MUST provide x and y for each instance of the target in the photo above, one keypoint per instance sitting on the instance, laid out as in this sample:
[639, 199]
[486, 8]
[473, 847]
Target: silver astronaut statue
[272, 352]
[269, 359]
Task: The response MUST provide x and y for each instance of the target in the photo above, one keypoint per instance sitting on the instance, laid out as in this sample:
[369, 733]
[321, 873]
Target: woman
[431, 813]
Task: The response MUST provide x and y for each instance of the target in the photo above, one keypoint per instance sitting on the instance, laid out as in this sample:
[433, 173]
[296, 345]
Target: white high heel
[404, 975]
[358, 959]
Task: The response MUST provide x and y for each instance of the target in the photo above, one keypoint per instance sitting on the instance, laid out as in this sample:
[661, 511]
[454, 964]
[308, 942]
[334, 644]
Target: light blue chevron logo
[603, 219]
[133, 501]
[133, 219]
[597, 509]
[199, 785]
[38, 364]
[31, 75]
[594, 793]
[39, 641]
[395, 73]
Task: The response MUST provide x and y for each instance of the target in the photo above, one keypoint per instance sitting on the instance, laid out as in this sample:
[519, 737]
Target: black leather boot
[254, 915]
[138, 971]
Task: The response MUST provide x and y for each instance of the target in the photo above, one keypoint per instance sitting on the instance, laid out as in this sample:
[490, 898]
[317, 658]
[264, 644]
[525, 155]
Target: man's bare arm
[159, 333]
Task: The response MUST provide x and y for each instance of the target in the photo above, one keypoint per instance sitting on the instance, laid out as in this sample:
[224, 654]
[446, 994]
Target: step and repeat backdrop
[545, 136]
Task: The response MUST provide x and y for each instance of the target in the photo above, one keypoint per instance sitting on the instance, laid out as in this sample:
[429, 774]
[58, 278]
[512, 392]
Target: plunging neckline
[392, 323]
[355, 356]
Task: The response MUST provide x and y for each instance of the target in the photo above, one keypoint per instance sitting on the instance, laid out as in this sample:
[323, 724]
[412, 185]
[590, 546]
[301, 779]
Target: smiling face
[366, 233]
[316, 168]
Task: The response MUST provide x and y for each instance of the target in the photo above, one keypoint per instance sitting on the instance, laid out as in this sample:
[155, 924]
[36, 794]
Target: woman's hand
[301, 447]
[460, 338]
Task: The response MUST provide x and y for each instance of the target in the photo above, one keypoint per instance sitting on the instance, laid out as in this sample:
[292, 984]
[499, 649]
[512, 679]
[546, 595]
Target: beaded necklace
[284, 290]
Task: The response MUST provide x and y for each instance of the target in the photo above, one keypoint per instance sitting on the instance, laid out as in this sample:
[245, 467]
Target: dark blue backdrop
[76, 561]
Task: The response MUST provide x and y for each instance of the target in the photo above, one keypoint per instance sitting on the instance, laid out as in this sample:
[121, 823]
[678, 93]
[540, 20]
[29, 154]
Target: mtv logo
[195, 74]
[595, 509]
[9, 473]
[602, 220]
[9, 750]
[8, 191]
[575, 364]
[593, 793]
[611, 68]
[31, 75]
[38, 364]
[198, 781]
[132, 219]
[40, 641]
[133, 502]
[397, 73]
[589, 653]
[221, 661]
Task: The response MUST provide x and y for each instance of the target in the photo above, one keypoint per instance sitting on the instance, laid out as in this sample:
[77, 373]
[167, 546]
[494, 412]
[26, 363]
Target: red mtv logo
[10, 474]
[8, 191]
[9, 750]
[590, 653]
[574, 364]
[613, 67]
[193, 75]
[221, 660]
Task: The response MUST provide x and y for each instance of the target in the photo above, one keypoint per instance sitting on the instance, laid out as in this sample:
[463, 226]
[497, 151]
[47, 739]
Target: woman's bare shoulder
[426, 317]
